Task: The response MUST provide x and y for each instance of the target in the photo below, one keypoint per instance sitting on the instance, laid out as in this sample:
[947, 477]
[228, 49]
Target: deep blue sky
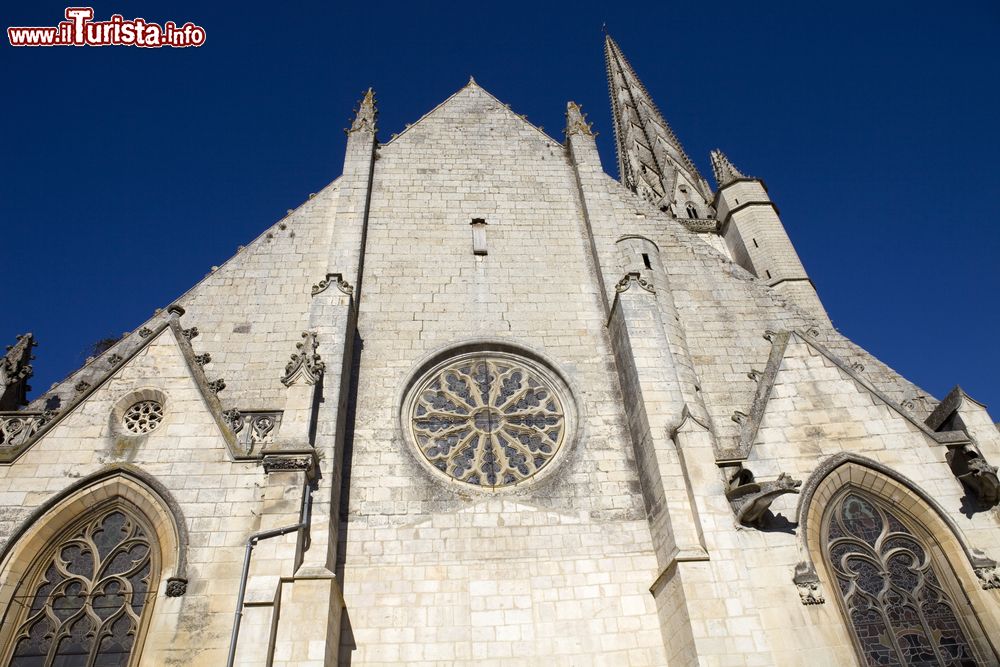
[127, 173]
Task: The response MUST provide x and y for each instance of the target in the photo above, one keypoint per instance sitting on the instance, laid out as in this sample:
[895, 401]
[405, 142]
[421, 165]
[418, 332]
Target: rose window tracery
[143, 417]
[488, 422]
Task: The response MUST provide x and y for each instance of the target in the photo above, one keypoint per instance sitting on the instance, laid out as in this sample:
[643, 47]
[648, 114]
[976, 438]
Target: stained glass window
[891, 588]
[488, 422]
[84, 608]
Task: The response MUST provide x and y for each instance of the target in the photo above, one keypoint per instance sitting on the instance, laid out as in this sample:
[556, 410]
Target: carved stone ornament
[306, 363]
[202, 359]
[235, 420]
[989, 577]
[975, 474]
[333, 279]
[114, 359]
[253, 429]
[287, 463]
[750, 499]
[810, 593]
[634, 277]
[807, 581]
[740, 417]
[81, 386]
[176, 587]
[15, 370]
[190, 333]
[217, 385]
[145, 332]
[46, 417]
[700, 225]
[18, 428]
[755, 375]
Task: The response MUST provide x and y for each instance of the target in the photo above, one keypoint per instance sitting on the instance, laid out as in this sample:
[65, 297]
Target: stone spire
[723, 170]
[651, 160]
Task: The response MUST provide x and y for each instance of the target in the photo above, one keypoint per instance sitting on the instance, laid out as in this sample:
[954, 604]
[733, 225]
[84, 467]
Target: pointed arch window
[83, 603]
[896, 593]
[692, 211]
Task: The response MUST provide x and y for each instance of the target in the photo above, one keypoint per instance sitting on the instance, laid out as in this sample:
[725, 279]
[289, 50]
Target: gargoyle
[975, 474]
[750, 500]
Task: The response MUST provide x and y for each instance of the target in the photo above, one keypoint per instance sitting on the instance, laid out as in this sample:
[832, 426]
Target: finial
[472, 81]
[604, 28]
[576, 121]
[365, 118]
[723, 170]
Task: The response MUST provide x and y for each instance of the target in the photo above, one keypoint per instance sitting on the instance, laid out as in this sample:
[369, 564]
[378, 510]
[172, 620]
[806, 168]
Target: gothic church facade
[477, 402]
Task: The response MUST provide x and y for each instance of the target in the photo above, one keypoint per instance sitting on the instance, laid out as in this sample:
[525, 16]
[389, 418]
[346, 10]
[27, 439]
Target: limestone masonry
[476, 402]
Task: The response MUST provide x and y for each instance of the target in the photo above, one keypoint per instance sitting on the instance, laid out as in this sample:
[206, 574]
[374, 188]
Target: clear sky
[127, 173]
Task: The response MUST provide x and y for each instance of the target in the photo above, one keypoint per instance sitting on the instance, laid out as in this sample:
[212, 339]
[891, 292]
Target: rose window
[143, 417]
[487, 422]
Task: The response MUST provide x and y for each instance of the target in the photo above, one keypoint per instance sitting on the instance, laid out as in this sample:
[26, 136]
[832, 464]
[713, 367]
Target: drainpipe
[251, 543]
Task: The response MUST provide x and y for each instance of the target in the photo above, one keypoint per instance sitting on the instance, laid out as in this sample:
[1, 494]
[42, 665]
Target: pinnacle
[723, 170]
[365, 117]
[576, 120]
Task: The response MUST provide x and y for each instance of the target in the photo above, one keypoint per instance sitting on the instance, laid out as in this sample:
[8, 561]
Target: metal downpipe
[251, 543]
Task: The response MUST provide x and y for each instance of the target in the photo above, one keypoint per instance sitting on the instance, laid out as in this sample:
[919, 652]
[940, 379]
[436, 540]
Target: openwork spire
[365, 118]
[723, 170]
[651, 160]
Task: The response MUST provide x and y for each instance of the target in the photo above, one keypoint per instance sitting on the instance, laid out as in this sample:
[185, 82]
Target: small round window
[143, 417]
[488, 420]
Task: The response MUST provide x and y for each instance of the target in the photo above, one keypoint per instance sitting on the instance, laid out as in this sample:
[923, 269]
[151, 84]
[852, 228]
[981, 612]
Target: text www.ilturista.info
[79, 29]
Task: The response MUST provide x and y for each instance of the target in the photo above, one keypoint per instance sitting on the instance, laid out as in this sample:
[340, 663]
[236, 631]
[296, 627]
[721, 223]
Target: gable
[470, 118]
[157, 364]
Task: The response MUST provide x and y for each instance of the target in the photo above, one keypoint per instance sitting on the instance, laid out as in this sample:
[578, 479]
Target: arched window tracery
[82, 603]
[892, 587]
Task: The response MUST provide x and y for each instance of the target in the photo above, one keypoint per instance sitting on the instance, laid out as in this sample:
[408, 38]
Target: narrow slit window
[478, 236]
[645, 260]
[755, 243]
[767, 273]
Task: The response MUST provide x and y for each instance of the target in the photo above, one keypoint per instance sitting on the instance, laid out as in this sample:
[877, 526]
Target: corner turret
[757, 241]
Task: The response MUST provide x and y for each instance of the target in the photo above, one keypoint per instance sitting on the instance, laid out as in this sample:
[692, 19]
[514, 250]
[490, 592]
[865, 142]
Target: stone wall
[557, 571]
